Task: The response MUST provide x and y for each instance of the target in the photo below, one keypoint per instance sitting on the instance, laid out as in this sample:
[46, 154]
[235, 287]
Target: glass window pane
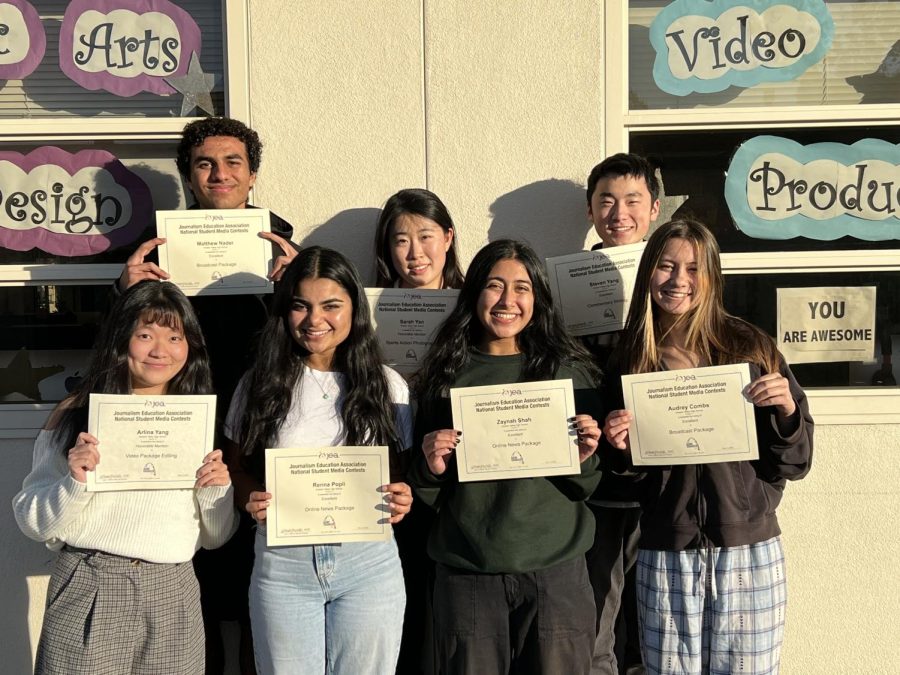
[861, 65]
[693, 168]
[46, 333]
[753, 297]
[49, 92]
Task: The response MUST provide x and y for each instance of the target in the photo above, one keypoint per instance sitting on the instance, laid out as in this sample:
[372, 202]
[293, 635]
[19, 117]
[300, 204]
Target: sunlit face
[505, 306]
[156, 354]
[220, 173]
[675, 281]
[419, 250]
[320, 319]
[622, 209]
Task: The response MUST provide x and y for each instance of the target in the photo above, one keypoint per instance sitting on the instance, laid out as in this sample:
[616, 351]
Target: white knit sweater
[165, 526]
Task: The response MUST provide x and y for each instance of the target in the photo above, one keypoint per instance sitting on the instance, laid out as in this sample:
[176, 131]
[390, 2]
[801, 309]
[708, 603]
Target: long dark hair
[367, 412]
[158, 302]
[711, 332]
[415, 202]
[544, 342]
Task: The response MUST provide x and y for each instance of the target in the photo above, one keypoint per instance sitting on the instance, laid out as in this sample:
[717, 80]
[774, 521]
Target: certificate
[515, 430]
[149, 442]
[327, 495]
[593, 288]
[216, 251]
[406, 320]
[692, 416]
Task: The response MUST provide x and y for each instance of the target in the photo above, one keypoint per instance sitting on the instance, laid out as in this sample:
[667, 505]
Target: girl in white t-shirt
[318, 380]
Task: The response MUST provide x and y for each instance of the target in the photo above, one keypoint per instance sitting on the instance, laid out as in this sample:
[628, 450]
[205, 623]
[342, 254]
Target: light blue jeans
[330, 609]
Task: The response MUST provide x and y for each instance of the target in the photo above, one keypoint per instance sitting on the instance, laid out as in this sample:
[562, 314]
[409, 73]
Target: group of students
[510, 590]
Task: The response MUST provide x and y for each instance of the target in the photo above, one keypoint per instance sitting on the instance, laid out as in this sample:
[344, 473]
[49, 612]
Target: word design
[70, 205]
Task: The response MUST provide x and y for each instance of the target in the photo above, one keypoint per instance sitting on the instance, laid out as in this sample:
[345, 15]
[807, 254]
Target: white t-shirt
[314, 419]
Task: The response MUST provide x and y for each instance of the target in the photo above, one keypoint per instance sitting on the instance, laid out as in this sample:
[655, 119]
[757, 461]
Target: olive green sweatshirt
[516, 525]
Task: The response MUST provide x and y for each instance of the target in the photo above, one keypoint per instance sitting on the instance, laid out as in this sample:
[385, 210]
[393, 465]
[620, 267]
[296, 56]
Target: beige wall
[497, 107]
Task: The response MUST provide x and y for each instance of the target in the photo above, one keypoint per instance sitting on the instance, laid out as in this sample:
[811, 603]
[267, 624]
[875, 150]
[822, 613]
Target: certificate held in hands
[406, 320]
[593, 288]
[515, 430]
[216, 251]
[327, 495]
[149, 442]
[692, 416]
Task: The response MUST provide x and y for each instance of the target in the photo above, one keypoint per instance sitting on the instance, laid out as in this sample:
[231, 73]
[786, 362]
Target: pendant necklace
[325, 394]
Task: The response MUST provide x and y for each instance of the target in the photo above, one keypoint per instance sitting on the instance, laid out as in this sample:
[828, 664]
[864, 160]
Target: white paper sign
[817, 325]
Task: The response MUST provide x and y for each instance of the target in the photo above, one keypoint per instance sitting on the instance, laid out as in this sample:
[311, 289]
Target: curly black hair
[196, 132]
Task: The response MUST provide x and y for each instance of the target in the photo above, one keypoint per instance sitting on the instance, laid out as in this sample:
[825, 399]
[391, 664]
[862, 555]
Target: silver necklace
[325, 394]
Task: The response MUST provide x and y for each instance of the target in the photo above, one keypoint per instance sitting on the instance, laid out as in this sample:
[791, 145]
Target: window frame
[236, 28]
[831, 405]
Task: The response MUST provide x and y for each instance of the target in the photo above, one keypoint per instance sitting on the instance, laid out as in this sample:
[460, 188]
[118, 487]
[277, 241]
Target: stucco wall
[497, 107]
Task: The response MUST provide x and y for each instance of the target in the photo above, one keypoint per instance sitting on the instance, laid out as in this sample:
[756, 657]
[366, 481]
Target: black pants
[611, 565]
[529, 623]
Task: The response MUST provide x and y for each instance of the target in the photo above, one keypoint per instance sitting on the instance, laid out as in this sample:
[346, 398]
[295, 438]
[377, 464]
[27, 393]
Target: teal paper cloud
[761, 48]
[882, 196]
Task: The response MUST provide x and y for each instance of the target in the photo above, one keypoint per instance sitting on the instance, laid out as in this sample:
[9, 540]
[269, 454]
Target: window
[691, 124]
[52, 297]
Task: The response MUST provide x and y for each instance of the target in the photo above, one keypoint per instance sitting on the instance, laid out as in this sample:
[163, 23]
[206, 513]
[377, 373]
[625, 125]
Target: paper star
[195, 87]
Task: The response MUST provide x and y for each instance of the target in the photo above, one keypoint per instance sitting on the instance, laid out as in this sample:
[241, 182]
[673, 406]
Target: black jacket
[726, 503]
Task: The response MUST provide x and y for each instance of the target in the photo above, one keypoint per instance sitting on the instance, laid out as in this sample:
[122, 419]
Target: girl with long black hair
[511, 591]
[318, 380]
[123, 597]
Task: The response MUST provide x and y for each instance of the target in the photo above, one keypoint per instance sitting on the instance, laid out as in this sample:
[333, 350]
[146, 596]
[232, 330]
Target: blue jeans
[335, 609]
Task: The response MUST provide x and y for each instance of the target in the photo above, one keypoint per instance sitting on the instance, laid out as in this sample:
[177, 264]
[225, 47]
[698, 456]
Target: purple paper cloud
[22, 38]
[126, 46]
[44, 206]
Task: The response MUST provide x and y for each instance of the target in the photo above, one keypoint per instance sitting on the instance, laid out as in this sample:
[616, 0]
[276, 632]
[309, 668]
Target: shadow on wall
[550, 215]
[352, 232]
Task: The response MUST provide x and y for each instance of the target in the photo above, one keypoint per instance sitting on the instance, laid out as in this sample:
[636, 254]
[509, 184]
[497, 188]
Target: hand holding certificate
[517, 430]
[149, 442]
[326, 495]
[694, 416]
[593, 288]
[216, 251]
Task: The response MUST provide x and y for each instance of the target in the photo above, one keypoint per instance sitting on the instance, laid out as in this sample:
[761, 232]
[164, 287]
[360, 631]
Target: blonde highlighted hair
[711, 332]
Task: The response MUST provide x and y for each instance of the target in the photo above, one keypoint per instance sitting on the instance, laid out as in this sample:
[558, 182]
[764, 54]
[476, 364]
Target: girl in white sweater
[123, 597]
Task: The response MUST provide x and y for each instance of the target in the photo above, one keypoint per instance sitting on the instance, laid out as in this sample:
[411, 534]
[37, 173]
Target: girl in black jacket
[710, 582]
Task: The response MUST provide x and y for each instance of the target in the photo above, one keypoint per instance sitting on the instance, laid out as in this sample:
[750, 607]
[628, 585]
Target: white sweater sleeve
[218, 520]
[50, 499]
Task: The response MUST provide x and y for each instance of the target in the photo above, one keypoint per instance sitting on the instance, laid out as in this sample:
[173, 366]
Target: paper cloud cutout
[70, 205]
[706, 47]
[779, 189]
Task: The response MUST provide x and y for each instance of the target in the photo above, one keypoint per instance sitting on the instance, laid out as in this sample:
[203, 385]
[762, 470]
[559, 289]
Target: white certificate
[593, 289]
[692, 416]
[406, 320]
[149, 442]
[515, 430]
[327, 495]
[216, 251]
